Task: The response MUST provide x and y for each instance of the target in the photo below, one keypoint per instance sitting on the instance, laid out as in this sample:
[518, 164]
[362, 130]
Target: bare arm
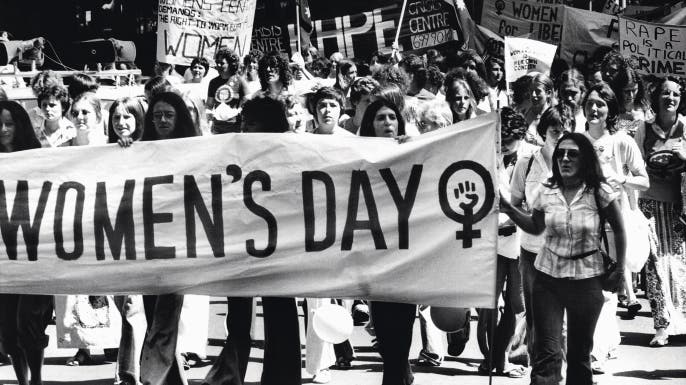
[614, 218]
[531, 223]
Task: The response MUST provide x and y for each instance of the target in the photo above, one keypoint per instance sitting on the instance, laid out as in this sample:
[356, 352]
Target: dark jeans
[23, 319]
[527, 274]
[393, 324]
[282, 360]
[583, 300]
[507, 272]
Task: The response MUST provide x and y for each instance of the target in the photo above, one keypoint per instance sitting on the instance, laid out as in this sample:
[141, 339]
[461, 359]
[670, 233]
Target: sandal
[657, 342]
[343, 363]
[80, 358]
[512, 372]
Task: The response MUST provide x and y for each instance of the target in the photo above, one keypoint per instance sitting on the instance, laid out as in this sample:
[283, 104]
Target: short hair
[155, 85]
[438, 109]
[81, 83]
[183, 128]
[520, 89]
[344, 66]
[655, 95]
[560, 114]
[59, 92]
[92, 99]
[44, 79]
[360, 87]
[324, 93]
[512, 124]
[606, 93]
[321, 64]
[24, 135]
[367, 125]
[268, 110]
[134, 106]
[203, 62]
[231, 58]
[273, 59]
[253, 56]
[392, 75]
[589, 165]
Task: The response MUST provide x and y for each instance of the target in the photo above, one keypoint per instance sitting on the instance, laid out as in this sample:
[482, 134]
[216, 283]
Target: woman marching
[570, 266]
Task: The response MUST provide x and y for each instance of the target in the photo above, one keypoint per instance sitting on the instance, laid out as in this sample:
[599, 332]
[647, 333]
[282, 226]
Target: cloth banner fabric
[659, 48]
[540, 21]
[294, 215]
[584, 32]
[525, 55]
[189, 29]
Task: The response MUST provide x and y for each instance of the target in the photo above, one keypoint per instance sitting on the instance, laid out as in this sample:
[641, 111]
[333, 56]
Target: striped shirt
[571, 229]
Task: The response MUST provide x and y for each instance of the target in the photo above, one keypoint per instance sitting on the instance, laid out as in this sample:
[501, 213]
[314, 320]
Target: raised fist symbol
[467, 190]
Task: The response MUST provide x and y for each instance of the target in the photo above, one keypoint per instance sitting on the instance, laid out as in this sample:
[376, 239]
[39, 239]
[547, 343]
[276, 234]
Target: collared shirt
[571, 229]
[525, 186]
[62, 137]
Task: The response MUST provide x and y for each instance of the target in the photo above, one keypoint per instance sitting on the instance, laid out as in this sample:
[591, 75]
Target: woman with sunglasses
[570, 265]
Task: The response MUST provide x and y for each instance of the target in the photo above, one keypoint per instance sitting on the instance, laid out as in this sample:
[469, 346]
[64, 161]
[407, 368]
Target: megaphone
[103, 51]
[21, 50]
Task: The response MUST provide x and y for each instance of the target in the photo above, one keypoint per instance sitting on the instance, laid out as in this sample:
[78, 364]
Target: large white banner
[584, 32]
[258, 214]
[191, 28]
[659, 48]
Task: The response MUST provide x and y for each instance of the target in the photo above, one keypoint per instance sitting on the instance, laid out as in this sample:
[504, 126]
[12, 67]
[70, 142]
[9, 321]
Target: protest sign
[189, 29]
[524, 55]
[659, 48]
[541, 20]
[258, 214]
[585, 32]
[361, 29]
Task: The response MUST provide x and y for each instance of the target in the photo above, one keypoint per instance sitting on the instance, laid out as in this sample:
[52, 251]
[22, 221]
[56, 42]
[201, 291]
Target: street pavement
[636, 363]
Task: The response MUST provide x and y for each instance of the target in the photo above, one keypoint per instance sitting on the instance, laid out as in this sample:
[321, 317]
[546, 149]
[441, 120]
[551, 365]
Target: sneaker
[323, 377]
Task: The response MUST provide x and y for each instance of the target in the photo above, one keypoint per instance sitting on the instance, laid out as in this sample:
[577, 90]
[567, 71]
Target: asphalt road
[636, 364]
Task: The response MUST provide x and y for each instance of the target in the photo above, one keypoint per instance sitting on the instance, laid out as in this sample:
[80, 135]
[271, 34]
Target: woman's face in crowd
[164, 119]
[553, 134]
[352, 74]
[198, 71]
[328, 113]
[429, 122]
[570, 95]
[7, 128]
[385, 123]
[670, 97]
[52, 108]
[83, 115]
[595, 109]
[462, 101]
[470, 66]
[629, 93]
[539, 96]
[273, 71]
[568, 158]
[495, 73]
[123, 122]
[223, 66]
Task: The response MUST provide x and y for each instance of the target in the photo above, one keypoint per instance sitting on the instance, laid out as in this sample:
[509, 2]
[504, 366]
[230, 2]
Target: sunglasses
[571, 154]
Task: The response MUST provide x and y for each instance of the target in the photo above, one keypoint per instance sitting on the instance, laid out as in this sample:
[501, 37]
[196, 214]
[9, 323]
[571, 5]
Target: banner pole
[400, 24]
[297, 25]
[590, 5]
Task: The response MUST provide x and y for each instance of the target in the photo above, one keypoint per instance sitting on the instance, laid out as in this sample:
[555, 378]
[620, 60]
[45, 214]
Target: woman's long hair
[367, 125]
[605, 92]
[273, 59]
[454, 80]
[184, 127]
[589, 165]
[134, 106]
[24, 136]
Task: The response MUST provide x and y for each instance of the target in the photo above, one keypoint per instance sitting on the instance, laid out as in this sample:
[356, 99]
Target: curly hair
[360, 87]
[655, 95]
[59, 92]
[203, 62]
[273, 59]
[44, 80]
[392, 75]
[24, 135]
[231, 58]
[268, 110]
[512, 124]
[609, 97]
[434, 77]
[558, 115]
[464, 56]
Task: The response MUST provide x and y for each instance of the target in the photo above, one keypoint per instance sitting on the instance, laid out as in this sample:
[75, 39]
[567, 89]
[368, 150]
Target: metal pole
[400, 23]
[297, 24]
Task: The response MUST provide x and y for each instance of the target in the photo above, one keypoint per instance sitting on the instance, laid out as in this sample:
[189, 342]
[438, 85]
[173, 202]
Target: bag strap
[603, 236]
[528, 166]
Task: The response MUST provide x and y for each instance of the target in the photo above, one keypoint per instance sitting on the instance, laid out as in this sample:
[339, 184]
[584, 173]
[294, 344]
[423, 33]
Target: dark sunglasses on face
[572, 154]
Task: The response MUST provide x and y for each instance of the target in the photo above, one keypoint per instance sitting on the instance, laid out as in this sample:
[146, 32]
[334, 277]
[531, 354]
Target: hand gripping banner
[258, 214]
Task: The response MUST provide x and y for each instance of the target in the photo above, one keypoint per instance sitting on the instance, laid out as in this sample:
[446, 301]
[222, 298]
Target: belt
[584, 255]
